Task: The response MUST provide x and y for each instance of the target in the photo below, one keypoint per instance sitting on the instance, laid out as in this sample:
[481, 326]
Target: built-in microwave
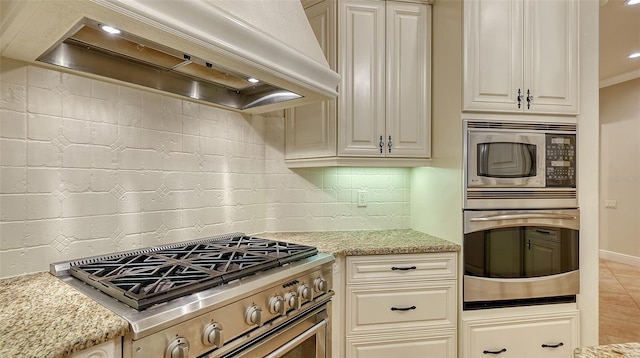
[520, 257]
[506, 162]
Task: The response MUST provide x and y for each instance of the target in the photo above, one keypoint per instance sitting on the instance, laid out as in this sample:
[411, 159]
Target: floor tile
[619, 302]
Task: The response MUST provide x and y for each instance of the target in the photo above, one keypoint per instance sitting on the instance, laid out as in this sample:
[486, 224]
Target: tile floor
[619, 302]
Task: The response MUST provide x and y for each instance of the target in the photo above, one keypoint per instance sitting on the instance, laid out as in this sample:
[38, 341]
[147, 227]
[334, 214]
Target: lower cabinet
[401, 305]
[418, 344]
[544, 332]
[109, 349]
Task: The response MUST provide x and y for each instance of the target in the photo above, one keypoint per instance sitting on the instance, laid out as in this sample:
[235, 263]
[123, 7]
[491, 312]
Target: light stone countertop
[622, 350]
[43, 317]
[369, 242]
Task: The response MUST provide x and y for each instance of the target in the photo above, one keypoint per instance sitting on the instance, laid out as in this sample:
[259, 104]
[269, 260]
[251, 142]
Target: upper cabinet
[521, 56]
[382, 50]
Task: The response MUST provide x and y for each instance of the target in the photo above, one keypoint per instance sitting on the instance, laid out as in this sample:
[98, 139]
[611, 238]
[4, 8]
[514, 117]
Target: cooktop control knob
[277, 305]
[305, 292]
[292, 300]
[178, 348]
[253, 315]
[320, 285]
[213, 335]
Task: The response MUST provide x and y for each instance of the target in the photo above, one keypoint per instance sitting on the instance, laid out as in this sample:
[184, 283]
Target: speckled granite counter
[375, 242]
[41, 316]
[623, 350]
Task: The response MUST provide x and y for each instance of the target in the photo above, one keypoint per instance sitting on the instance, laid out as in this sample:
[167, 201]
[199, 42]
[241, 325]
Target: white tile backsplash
[89, 167]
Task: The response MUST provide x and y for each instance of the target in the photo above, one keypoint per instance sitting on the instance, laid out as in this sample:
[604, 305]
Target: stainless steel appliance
[224, 296]
[506, 163]
[520, 257]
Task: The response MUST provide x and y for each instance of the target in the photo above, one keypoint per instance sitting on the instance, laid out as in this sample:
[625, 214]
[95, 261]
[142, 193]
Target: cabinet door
[551, 55]
[408, 114]
[109, 349]
[493, 50]
[525, 338]
[361, 105]
[436, 345]
[311, 129]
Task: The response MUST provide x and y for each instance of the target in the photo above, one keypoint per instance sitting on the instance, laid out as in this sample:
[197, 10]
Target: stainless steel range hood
[245, 55]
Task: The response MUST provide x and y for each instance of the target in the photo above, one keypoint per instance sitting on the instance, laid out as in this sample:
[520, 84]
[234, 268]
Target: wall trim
[620, 78]
[618, 257]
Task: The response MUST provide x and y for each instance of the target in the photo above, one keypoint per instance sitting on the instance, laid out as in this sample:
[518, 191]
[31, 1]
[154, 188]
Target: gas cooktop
[150, 276]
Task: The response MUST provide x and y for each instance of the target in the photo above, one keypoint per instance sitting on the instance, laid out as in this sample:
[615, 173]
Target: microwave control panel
[561, 160]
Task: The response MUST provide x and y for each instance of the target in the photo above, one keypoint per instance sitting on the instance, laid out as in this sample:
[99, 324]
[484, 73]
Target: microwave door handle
[524, 216]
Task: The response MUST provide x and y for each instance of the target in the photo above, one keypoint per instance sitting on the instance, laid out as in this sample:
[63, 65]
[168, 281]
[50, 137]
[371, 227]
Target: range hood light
[253, 80]
[110, 29]
[632, 2]
[634, 55]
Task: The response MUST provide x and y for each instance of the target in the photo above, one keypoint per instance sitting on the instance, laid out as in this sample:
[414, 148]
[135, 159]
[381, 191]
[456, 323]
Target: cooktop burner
[155, 275]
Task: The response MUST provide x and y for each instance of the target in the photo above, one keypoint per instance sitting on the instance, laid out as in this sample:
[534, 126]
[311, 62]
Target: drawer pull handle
[495, 352]
[403, 268]
[403, 308]
[553, 345]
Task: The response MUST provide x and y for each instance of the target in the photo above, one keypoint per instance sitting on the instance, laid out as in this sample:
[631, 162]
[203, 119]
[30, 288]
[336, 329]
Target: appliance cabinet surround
[536, 332]
[396, 305]
[382, 116]
[521, 56]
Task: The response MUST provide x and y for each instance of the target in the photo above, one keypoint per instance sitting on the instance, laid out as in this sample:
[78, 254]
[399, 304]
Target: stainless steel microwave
[509, 162]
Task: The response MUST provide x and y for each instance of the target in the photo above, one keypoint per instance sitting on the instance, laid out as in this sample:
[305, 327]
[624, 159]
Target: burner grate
[144, 278]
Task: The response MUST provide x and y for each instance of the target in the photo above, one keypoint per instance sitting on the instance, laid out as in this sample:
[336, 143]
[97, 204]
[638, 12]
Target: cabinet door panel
[523, 338]
[551, 55]
[311, 129]
[362, 66]
[441, 345]
[493, 45]
[408, 79]
[390, 308]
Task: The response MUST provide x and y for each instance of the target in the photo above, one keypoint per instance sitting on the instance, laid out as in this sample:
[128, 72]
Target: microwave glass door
[507, 160]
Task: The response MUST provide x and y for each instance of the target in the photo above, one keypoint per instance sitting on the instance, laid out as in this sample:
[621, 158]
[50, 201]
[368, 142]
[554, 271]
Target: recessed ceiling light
[253, 80]
[634, 55]
[109, 29]
[632, 2]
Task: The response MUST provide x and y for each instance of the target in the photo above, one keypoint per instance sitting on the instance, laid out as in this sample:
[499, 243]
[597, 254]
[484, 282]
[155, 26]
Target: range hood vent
[136, 60]
[249, 56]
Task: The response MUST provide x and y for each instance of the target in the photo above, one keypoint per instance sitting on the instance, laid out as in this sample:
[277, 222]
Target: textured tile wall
[88, 167]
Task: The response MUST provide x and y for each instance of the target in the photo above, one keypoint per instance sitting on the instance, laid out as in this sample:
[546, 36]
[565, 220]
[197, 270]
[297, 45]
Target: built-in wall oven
[520, 257]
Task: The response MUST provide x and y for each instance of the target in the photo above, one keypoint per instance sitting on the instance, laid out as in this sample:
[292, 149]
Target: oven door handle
[524, 216]
[299, 339]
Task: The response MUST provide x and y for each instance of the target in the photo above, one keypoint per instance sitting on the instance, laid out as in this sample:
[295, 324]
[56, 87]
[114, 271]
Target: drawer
[392, 308]
[413, 345]
[401, 268]
[523, 338]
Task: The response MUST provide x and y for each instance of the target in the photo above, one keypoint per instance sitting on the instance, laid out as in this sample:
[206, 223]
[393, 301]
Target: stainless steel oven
[305, 337]
[520, 257]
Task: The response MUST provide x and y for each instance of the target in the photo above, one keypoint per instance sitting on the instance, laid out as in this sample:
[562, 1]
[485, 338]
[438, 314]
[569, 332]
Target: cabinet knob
[519, 97]
[529, 99]
[389, 144]
[381, 145]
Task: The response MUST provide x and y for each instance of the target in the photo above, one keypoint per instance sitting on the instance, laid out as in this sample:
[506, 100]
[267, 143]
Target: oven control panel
[230, 326]
[560, 161]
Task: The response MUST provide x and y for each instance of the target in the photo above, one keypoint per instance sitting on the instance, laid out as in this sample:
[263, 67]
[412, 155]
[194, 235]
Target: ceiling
[619, 37]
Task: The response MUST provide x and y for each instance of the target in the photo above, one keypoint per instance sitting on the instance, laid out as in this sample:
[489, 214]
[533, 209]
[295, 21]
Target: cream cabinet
[544, 331]
[397, 305]
[109, 349]
[521, 56]
[382, 116]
